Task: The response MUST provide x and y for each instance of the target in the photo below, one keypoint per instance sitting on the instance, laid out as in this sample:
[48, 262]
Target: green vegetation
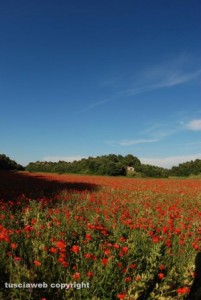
[189, 168]
[7, 164]
[153, 171]
[110, 165]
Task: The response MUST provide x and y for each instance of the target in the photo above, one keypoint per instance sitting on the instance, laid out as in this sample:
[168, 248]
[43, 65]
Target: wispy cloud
[160, 131]
[164, 75]
[62, 158]
[130, 142]
[95, 104]
[194, 125]
[169, 161]
[179, 78]
[164, 80]
[135, 142]
[164, 129]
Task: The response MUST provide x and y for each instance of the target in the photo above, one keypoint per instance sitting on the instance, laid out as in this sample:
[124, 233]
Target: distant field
[112, 238]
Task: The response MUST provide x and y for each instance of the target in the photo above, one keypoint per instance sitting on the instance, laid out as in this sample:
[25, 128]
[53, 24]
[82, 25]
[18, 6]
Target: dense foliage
[153, 171]
[115, 165]
[187, 168]
[111, 165]
[7, 164]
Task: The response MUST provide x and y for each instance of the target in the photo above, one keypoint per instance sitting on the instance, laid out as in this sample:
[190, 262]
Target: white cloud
[135, 142]
[62, 158]
[163, 75]
[164, 129]
[194, 125]
[169, 161]
[95, 104]
[162, 80]
[179, 78]
[130, 142]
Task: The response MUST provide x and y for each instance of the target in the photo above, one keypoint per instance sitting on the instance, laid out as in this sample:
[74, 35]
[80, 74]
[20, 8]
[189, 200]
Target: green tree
[7, 164]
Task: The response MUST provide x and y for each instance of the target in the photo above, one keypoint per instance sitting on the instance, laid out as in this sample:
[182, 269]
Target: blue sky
[87, 78]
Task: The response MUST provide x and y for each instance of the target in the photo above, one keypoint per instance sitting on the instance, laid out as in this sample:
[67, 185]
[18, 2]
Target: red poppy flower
[162, 267]
[121, 296]
[53, 250]
[88, 237]
[37, 263]
[75, 249]
[17, 258]
[125, 250]
[183, 290]
[132, 266]
[65, 264]
[128, 279]
[76, 275]
[104, 261]
[13, 245]
[61, 245]
[90, 274]
[161, 275]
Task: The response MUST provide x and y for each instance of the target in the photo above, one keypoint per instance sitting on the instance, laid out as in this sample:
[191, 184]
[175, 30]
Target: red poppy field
[101, 237]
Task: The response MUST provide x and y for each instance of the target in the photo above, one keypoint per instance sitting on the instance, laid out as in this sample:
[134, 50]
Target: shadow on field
[15, 184]
[195, 292]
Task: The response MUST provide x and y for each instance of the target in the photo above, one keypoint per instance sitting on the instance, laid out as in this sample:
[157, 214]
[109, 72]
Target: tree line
[187, 169]
[111, 165]
[7, 164]
[115, 165]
